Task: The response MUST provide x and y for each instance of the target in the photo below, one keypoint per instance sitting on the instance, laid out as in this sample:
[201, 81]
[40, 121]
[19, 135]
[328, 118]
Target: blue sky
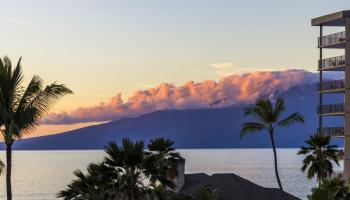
[100, 48]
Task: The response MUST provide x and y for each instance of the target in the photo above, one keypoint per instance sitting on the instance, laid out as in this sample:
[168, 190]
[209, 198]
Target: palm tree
[319, 155]
[128, 160]
[331, 189]
[268, 117]
[165, 160]
[98, 183]
[128, 172]
[21, 109]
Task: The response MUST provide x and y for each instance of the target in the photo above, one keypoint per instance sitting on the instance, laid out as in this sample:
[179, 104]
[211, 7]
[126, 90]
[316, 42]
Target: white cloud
[223, 65]
[225, 69]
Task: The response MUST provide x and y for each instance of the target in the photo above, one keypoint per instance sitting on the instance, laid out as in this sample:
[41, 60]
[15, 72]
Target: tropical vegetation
[22, 108]
[319, 157]
[268, 116]
[331, 189]
[2, 167]
[203, 194]
[128, 172]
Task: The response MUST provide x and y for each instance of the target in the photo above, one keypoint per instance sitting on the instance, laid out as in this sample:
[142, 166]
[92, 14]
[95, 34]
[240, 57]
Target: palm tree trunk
[275, 159]
[8, 171]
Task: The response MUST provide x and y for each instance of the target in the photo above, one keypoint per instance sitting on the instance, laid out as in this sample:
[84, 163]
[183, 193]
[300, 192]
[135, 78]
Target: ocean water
[39, 175]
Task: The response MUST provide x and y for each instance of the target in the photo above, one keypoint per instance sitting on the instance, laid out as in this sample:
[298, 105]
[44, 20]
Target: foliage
[205, 193]
[97, 184]
[331, 189]
[267, 116]
[2, 167]
[128, 172]
[208, 194]
[319, 157]
[22, 108]
[164, 159]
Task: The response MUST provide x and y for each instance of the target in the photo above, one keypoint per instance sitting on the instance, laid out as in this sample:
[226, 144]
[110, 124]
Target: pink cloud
[229, 90]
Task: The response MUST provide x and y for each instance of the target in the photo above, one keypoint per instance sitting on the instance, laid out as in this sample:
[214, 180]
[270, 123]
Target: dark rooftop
[232, 187]
[334, 19]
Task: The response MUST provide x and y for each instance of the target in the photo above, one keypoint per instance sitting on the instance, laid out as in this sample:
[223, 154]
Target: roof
[334, 19]
[231, 187]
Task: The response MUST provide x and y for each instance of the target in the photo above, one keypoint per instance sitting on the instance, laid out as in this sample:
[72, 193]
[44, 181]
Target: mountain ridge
[192, 128]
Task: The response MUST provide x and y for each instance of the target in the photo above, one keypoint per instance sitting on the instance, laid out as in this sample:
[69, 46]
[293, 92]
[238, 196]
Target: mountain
[196, 128]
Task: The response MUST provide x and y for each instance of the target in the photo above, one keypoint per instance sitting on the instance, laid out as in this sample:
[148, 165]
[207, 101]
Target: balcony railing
[331, 109]
[331, 86]
[331, 63]
[331, 40]
[332, 131]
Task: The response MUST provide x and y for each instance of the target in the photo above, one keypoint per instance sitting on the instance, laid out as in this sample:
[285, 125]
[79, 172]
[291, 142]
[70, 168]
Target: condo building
[339, 40]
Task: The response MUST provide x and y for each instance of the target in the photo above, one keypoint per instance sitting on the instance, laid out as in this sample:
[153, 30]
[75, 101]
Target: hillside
[197, 128]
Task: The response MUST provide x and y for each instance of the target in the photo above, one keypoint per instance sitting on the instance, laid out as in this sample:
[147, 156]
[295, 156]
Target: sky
[106, 51]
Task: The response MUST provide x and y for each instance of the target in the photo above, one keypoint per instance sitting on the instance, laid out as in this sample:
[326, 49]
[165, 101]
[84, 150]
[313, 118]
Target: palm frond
[161, 145]
[2, 167]
[251, 127]
[263, 111]
[33, 89]
[292, 119]
[279, 108]
[31, 112]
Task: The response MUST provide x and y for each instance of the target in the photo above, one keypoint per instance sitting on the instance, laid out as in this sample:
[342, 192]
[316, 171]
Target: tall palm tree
[319, 155]
[267, 117]
[22, 108]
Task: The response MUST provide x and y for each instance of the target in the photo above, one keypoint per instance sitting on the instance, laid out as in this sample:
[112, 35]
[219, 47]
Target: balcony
[332, 64]
[335, 40]
[333, 86]
[332, 131]
[331, 109]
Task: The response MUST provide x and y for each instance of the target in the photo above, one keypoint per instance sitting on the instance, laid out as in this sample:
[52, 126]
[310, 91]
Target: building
[227, 186]
[341, 64]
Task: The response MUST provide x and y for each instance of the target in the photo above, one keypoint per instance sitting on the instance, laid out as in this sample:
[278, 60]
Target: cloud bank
[228, 90]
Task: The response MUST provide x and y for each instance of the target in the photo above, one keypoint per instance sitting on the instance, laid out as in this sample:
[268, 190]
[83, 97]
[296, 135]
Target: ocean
[40, 175]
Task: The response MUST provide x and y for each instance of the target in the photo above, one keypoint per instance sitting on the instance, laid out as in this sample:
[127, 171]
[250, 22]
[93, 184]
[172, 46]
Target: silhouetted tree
[164, 160]
[128, 172]
[99, 183]
[331, 189]
[319, 155]
[267, 117]
[22, 108]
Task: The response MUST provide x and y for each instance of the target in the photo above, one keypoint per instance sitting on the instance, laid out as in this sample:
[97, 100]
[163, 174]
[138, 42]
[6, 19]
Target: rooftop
[231, 187]
[334, 19]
